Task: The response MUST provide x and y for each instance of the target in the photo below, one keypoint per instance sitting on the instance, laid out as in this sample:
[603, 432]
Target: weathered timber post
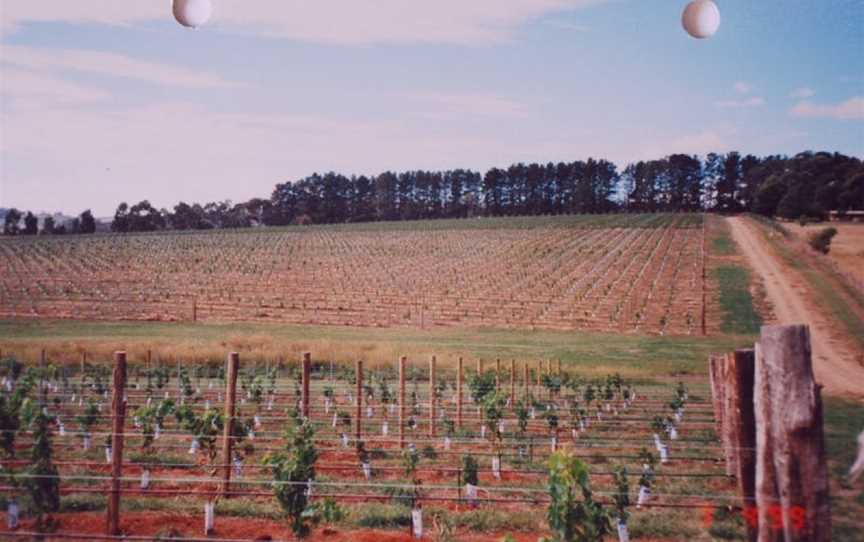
[512, 383]
[402, 361]
[497, 375]
[716, 368]
[359, 411]
[149, 359]
[233, 367]
[730, 414]
[304, 398]
[559, 367]
[432, 397]
[118, 412]
[459, 393]
[43, 359]
[479, 367]
[741, 375]
[526, 378]
[791, 470]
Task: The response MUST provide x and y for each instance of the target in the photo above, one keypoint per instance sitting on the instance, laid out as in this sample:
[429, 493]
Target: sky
[105, 101]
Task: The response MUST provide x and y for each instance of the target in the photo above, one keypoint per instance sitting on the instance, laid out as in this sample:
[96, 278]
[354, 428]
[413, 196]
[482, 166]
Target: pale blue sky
[106, 101]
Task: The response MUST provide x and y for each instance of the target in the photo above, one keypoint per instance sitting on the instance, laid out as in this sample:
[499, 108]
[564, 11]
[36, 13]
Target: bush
[821, 241]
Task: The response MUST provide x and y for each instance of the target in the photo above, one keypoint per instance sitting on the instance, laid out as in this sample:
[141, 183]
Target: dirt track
[833, 362]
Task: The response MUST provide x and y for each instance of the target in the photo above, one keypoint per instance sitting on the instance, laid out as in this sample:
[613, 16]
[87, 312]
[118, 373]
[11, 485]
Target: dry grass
[592, 353]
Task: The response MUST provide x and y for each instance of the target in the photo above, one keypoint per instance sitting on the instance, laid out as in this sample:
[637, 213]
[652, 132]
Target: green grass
[722, 245]
[844, 419]
[736, 302]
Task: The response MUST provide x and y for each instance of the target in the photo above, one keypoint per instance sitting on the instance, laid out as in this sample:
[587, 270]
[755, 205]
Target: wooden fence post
[358, 374]
[43, 359]
[479, 366]
[716, 371]
[432, 397]
[526, 378]
[233, 368]
[118, 412]
[459, 393]
[791, 470]
[497, 375]
[402, 362]
[742, 373]
[512, 383]
[304, 398]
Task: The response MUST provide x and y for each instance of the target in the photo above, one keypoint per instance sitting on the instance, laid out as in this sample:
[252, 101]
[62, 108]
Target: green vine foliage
[621, 497]
[469, 470]
[87, 419]
[574, 515]
[43, 482]
[481, 385]
[291, 470]
[13, 405]
[522, 416]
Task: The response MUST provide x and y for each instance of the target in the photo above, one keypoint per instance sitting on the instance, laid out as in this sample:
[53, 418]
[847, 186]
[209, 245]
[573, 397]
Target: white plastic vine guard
[367, 471]
[209, 518]
[417, 523]
[471, 493]
[623, 532]
[644, 495]
[12, 515]
[145, 479]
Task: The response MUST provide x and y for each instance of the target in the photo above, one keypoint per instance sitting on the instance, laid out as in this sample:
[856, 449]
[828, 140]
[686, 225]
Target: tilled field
[620, 273]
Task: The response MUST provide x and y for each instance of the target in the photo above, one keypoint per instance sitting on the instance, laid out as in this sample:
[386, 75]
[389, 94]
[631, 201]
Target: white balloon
[701, 18]
[192, 13]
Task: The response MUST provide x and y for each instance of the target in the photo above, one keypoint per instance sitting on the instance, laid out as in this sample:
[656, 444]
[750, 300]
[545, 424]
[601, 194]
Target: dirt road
[833, 362]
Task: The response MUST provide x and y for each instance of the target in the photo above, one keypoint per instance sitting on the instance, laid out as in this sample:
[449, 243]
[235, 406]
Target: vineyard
[409, 447]
[607, 273]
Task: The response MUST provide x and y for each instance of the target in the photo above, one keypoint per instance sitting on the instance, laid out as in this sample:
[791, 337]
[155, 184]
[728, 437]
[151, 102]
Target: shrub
[821, 240]
[469, 470]
[43, 486]
[292, 468]
[573, 513]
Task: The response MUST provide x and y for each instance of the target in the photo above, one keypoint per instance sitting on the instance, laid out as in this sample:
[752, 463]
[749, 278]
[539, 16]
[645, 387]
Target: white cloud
[331, 21]
[802, 93]
[742, 87]
[479, 104]
[112, 64]
[738, 104]
[42, 90]
[851, 109]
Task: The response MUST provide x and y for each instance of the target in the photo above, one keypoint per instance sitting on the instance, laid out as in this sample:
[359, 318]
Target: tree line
[16, 222]
[808, 184]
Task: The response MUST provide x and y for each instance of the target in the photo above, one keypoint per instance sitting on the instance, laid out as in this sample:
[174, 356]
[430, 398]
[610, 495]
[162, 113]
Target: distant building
[846, 216]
